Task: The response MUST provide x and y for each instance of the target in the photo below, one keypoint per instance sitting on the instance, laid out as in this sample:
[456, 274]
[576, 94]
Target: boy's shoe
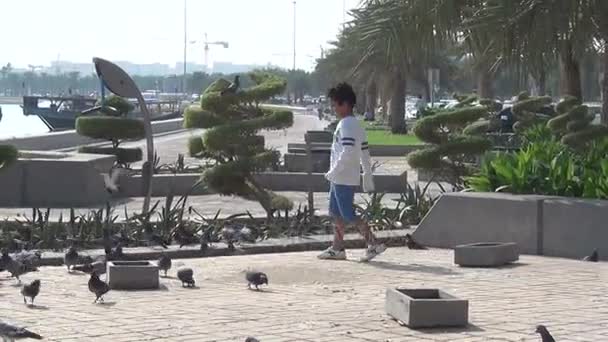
[332, 254]
[372, 252]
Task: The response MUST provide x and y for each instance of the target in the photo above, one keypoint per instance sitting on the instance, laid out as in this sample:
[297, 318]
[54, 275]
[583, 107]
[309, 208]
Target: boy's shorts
[341, 202]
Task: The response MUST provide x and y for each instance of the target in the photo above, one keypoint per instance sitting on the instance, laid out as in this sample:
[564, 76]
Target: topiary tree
[529, 111]
[110, 123]
[8, 153]
[573, 124]
[450, 150]
[232, 120]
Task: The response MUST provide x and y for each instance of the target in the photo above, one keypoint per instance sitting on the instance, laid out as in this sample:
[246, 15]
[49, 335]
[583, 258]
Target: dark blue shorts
[341, 202]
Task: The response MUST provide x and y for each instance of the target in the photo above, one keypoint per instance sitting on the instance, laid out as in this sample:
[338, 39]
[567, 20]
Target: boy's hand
[368, 183]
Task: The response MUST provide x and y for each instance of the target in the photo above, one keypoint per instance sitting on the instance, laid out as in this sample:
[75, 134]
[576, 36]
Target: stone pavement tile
[310, 300]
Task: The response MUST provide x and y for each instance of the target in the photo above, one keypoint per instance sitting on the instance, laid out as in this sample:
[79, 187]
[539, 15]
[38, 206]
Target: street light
[121, 84]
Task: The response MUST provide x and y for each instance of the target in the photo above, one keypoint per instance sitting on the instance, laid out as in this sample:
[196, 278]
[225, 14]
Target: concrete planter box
[299, 162]
[486, 254]
[320, 136]
[132, 275]
[374, 150]
[426, 308]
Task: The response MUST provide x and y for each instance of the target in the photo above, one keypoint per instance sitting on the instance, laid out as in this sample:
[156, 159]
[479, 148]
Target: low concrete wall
[163, 185]
[67, 139]
[48, 179]
[463, 218]
[544, 225]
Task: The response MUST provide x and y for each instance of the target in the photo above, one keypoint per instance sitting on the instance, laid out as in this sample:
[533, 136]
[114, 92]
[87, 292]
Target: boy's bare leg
[338, 243]
[366, 232]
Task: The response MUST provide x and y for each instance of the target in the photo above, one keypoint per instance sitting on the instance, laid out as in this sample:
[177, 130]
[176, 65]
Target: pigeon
[411, 244]
[14, 267]
[256, 279]
[230, 236]
[185, 237]
[71, 258]
[31, 259]
[99, 267]
[111, 179]
[116, 253]
[32, 290]
[13, 332]
[153, 238]
[233, 87]
[594, 257]
[98, 287]
[185, 275]
[251, 339]
[164, 263]
[544, 333]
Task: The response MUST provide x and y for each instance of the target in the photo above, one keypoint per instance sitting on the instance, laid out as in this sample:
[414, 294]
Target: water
[15, 124]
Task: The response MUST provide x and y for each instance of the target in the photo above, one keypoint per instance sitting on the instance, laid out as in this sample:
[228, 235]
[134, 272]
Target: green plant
[232, 121]
[450, 150]
[528, 111]
[122, 106]
[573, 124]
[8, 155]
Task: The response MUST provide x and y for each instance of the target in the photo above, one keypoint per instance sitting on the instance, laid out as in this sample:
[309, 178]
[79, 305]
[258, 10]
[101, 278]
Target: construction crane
[33, 68]
[206, 44]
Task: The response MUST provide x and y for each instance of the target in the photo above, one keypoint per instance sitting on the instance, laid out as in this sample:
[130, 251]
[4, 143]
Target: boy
[349, 150]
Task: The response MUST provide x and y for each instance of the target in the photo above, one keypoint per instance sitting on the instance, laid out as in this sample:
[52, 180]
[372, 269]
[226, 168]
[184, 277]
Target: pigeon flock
[28, 261]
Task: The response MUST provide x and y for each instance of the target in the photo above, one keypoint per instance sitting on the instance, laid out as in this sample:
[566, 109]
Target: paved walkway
[310, 300]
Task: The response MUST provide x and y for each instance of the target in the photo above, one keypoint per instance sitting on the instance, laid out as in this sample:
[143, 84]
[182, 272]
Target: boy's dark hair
[341, 93]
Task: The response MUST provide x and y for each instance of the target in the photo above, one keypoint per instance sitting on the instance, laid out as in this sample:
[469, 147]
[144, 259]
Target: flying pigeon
[256, 279]
[13, 332]
[164, 263]
[411, 244]
[71, 258]
[594, 257]
[233, 87]
[185, 275]
[98, 287]
[544, 334]
[31, 291]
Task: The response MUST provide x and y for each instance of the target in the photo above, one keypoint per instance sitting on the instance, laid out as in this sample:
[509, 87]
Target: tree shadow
[413, 268]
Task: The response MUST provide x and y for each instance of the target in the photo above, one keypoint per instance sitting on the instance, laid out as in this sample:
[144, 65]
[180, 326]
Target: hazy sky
[147, 31]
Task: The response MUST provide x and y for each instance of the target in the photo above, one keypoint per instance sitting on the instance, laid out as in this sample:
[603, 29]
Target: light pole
[121, 84]
[185, 46]
[294, 35]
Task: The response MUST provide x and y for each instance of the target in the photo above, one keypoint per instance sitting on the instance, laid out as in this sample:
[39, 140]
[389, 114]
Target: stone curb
[392, 238]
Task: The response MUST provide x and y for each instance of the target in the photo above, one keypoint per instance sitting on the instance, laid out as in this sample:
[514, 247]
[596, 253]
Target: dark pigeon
[153, 238]
[98, 287]
[411, 244]
[251, 339]
[256, 279]
[13, 332]
[186, 276]
[544, 334]
[594, 257]
[30, 291]
[71, 258]
[233, 87]
[164, 263]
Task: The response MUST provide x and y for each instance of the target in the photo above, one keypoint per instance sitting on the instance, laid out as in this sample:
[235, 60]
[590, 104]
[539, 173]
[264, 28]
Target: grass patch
[381, 137]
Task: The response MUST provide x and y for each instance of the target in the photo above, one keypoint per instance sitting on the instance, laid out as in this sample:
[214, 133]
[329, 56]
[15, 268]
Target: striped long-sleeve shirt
[349, 151]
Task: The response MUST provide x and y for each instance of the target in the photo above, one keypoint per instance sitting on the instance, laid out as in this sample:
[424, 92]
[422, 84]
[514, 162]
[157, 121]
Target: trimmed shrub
[110, 128]
[8, 155]
[120, 104]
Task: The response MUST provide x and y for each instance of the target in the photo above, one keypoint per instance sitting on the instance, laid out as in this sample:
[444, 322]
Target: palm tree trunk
[485, 88]
[397, 112]
[371, 98]
[570, 73]
[604, 117]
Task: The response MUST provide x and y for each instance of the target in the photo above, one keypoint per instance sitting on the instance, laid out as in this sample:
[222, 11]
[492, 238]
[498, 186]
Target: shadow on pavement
[413, 268]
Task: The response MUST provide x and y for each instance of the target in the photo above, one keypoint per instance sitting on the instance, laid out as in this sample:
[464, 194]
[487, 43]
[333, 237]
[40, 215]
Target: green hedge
[120, 104]
[8, 155]
[110, 128]
[196, 117]
[123, 155]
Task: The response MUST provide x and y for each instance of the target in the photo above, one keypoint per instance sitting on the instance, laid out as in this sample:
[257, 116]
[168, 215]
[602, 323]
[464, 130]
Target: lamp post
[121, 84]
[294, 35]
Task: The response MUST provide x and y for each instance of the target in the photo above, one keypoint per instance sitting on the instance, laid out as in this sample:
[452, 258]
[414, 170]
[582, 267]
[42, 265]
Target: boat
[60, 113]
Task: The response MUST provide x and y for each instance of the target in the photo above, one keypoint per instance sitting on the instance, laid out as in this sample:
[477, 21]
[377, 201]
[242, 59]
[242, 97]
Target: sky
[149, 31]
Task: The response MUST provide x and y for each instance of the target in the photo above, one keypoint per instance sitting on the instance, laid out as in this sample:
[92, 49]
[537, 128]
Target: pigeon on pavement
[544, 334]
[256, 279]
[186, 276]
[30, 291]
[594, 257]
[411, 244]
[71, 258]
[164, 263]
[13, 332]
[98, 287]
